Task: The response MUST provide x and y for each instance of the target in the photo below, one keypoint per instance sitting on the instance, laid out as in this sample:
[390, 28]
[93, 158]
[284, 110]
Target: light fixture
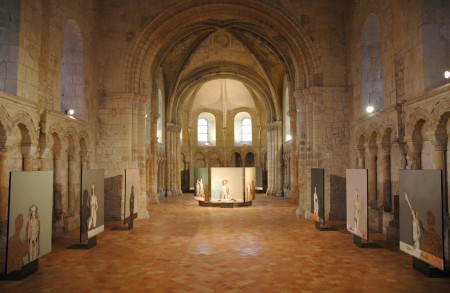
[370, 109]
[447, 74]
[69, 112]
[288, 137]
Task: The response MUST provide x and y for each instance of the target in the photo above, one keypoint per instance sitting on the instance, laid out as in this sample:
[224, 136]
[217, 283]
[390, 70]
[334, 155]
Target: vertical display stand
[324, 227]
[427, 270]
[91, 243]
[26, 270]
[362, 243]
[125, 228]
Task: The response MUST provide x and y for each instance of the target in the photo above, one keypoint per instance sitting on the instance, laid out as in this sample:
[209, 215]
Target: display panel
[201, 187]
[250, 184]
[357, 192]
[30, 218]
[317, 195]
[227, 185]
[92, 211]
[421, 227]
[131, 194]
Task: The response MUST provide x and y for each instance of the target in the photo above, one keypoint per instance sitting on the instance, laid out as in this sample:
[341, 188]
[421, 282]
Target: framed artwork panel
[357, 193]
[421, 217]
[30, 218]
[92, 206]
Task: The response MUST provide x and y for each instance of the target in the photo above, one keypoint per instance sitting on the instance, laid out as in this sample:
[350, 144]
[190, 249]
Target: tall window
[371, 71]
[202, 130]
[243, 129]
[246, 129]
[206, 129]
[72, 79]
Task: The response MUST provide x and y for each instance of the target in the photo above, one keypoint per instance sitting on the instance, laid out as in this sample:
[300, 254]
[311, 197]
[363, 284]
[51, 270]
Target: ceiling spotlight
[69, 112]
[370, 109]
[447, 74]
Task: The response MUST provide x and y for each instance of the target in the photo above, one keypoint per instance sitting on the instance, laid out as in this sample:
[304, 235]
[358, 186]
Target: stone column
[177, 160]
[415, 160]
[71, 183]
[169, 160]
[293, 162]
[4, 186]
[278, 157]
[58, 184]
[360, 158]
[301, 155]
[153, 157]
[270, 167]
[440, 147]
[384, 198]
[28, 153]
[372, 170]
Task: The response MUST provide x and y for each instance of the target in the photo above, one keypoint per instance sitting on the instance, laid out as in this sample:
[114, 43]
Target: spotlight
[447, 74]
[370, 109]
[69, 112]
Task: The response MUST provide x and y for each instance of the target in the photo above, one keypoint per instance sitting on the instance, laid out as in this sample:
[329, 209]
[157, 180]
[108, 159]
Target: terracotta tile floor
[187, 248]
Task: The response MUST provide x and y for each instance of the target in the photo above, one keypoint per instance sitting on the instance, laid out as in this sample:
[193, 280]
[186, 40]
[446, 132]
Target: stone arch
[214, 160]
[414, 118]
[298, 49]
[199, 160]
[28, 125]
[249, 159]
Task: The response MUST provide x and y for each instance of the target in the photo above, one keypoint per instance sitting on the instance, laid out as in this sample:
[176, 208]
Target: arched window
[72, 79]
[243, 134]
[371, 71]
[202, 130]
[206, 129]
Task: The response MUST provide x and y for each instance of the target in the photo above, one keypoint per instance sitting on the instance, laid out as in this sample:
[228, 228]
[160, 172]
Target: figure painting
[317, 195]
[357, 192]
[421, 219]
[30, 217]
[250, 184]
[201, 184]
[131, 196]
[92, 203]
[227, 185]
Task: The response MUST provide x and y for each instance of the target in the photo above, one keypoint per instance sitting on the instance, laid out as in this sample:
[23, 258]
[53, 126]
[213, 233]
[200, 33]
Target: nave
[187, 248]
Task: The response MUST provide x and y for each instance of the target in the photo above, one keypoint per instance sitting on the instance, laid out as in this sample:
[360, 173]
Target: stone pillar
[301, 157]
[58, 184]
[360, 158]
[384, 195]
[177, 160]
[293, 162]
[4, 186]
[27, 154]
[172, 155]
[71, 183]
[440, 147]
[169, 161]
[274, 159]
[415, 160]
[270, 174]
[372, 170]
[153, 158]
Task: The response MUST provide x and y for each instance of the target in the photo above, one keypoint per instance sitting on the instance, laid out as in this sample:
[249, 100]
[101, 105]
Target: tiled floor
[187, 248]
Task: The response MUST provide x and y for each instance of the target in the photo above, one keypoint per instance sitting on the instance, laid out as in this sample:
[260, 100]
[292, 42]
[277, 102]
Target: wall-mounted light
[69, 112]
[370, 109]
[447, 74]
[288, 137]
